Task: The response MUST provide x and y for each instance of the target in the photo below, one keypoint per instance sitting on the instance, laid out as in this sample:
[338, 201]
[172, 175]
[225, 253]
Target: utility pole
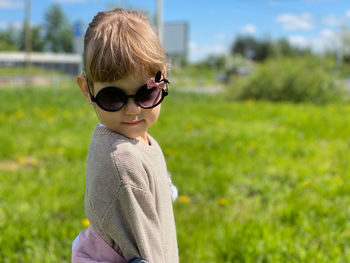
[28, 33]
[160, 20]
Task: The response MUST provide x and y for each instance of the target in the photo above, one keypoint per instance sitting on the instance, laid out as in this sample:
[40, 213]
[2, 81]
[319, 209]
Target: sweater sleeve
[133, 225]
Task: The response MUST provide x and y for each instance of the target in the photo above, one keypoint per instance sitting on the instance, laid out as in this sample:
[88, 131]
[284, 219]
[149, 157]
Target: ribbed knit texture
[128, 198]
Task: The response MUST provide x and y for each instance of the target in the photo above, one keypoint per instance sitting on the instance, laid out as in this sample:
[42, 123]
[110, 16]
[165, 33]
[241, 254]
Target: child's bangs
[111, 58]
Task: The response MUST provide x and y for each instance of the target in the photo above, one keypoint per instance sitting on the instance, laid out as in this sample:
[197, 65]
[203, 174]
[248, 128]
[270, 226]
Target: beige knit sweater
[128, 199]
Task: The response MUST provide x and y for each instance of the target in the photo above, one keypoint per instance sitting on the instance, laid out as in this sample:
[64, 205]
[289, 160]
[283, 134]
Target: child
[128, 196]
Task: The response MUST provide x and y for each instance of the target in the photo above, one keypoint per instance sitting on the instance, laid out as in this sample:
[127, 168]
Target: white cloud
[199, 52]
[301, 21]
[7, 4]
[332, 20]
[220, 37]
[299, 41]
[348, 13]
[326, 40]
[4, 25]
[248, 29]
[329, 39]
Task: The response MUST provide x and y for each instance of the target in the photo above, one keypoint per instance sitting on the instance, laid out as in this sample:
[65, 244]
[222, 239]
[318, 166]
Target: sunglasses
[147, 96]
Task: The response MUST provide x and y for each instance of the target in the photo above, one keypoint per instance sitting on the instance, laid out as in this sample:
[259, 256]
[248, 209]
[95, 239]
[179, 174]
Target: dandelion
[184, 199]
[60, 150]
[252, 144]
[221, 122]
[217, 138]
[66, 114]
[27, 161]
[22, 160]
[304, 184]
[19, 114]
[169, 152]
[238, 144]
[281, 130]
[339, 180]
[222, 201]
[250, 101]
[85, 222]
[189, 127]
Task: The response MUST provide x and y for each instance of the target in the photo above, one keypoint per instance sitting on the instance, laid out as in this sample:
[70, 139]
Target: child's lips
[132, 123]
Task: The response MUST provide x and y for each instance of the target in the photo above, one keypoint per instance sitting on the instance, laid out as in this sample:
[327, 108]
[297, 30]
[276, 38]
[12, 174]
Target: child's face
[131, 121]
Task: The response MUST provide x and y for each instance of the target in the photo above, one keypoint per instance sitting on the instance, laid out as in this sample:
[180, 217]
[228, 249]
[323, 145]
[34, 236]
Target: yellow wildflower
[252, 144]
[250, 101]
[61, 150]
[222, 201]
[339, 180]
[304, 184]
[184, 199]
[189, 127]
[22, 160]
[19, 114]
[27, 161]
[85, 222]
[169, 152]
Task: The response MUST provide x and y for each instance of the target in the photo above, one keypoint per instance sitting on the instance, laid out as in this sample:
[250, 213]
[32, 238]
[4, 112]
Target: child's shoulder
[110, 151]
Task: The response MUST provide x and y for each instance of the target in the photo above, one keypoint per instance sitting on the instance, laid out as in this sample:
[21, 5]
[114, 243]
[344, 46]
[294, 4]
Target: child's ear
[81, 81]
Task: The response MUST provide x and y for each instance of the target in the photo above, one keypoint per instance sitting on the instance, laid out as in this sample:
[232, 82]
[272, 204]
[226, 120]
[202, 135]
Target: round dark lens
[111, 98]
[149, 97]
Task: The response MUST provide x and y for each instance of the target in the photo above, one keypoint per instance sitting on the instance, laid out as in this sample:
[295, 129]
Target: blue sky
[215, 24]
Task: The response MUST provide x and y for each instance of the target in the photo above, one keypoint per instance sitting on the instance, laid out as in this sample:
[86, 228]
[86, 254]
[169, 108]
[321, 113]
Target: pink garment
[91, 248]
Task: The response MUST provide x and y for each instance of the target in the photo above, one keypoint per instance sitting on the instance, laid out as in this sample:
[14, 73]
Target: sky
[214, 24]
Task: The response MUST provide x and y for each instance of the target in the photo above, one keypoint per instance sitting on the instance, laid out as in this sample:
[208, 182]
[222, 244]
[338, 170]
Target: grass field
[258, 182]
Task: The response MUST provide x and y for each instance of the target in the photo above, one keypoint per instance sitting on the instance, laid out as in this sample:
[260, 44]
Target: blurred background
[215, 42]
[255, 131]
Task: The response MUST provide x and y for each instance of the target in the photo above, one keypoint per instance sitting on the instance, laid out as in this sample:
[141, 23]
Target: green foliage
[37, 36]
[258, 182]
[259, 50]
[8, 39]
[58, 31]
[217, 62]
[55, 35]
[288, 79]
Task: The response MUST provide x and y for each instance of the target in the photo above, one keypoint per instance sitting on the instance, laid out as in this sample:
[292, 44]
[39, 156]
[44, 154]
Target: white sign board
[175, 38]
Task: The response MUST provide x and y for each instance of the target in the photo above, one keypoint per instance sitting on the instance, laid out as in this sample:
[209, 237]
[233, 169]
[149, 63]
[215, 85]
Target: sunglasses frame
[95, 99]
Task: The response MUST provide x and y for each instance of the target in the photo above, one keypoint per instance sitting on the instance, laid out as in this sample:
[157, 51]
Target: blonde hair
[119, 43]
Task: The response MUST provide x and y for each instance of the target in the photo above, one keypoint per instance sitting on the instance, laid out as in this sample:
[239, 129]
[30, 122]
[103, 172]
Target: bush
[288, 79]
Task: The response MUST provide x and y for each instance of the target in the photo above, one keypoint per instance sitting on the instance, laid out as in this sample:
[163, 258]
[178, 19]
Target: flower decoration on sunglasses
[156, 82]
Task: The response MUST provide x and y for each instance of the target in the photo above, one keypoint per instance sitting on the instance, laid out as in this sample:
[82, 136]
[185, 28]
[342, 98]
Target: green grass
[259, 182]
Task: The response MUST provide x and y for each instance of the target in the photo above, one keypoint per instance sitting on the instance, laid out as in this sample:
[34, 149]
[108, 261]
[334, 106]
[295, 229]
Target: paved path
[202, 89]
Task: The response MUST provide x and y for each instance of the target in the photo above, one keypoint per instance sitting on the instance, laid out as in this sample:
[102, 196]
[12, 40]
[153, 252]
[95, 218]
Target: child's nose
[131, 107]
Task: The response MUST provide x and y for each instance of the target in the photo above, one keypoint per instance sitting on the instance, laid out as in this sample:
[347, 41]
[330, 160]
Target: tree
[38, 41]
[8, 39]
[246, 46]
[344, 44]
[251, 48]
[58, 32]
[259, 50]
